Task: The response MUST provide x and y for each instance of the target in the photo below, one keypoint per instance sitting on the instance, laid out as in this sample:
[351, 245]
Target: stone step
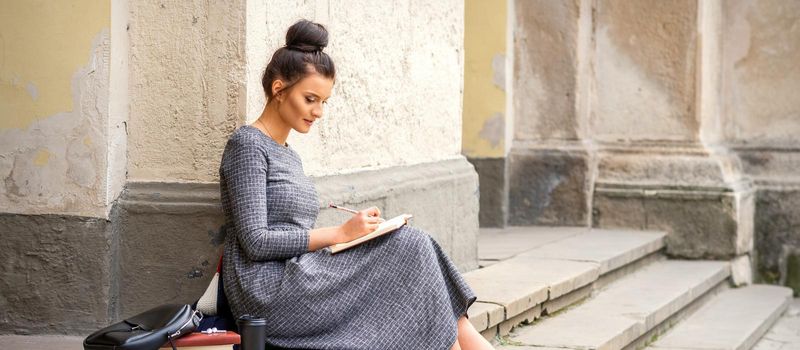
[785, 334]
[627, 309]
[41, 342]
[542, 269]
[735, 319]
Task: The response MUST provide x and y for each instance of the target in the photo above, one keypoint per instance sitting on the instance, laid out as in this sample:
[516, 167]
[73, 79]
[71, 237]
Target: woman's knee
[413, 237]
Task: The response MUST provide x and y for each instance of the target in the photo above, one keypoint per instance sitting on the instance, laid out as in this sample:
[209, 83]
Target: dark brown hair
[301, 56]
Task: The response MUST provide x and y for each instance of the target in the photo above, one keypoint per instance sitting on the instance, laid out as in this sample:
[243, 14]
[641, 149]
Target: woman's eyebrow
[315, 94]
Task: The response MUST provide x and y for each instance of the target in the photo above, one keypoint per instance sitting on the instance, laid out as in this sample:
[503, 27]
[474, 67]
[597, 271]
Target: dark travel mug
[253, 332]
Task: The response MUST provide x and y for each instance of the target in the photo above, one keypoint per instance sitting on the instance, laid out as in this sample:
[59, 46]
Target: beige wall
[397, 99]
[54, 108]
[761, 71]
[645, 70]
[186, 87]
[546, 67]
[485, 67]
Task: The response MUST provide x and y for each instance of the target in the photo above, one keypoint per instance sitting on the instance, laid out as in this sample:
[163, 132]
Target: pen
[342, 208]
[348, 210]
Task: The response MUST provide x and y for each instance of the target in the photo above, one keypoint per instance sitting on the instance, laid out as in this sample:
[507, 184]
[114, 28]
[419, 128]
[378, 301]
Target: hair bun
[306, 36]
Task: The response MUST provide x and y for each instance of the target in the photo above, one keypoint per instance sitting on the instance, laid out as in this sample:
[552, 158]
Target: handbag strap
[177, 333]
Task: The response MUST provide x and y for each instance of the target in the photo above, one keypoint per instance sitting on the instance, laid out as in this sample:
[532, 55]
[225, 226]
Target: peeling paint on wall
[484, 79]
[54, 84]
[43, 44]
[494, 129]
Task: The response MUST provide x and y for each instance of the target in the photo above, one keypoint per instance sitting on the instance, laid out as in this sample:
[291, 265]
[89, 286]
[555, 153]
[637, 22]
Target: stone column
[761, 51]
[389, 136]
[549, 165]
[659, 165]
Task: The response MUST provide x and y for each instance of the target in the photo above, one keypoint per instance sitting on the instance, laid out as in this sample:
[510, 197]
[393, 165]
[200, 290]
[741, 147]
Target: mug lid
[251, 320]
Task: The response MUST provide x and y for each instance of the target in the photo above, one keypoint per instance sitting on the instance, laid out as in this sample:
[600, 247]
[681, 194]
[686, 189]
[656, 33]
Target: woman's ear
[277, 88]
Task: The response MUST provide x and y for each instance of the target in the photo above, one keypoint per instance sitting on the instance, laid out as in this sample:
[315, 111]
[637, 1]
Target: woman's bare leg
[456, 346]
[469, 338]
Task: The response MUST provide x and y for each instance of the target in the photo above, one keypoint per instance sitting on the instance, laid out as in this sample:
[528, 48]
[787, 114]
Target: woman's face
[301, 105]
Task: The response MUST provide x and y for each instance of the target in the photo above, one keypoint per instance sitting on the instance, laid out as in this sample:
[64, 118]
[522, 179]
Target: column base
[682, 189]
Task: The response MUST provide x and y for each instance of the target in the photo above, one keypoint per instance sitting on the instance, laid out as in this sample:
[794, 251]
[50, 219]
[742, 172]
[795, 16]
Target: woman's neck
[272, 125]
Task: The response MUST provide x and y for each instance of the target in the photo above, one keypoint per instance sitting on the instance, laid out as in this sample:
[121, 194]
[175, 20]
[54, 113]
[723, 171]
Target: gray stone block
[56, 274]
[777, 233]
[493, 191]
[700, 222]
[548, 186]
[171, 238]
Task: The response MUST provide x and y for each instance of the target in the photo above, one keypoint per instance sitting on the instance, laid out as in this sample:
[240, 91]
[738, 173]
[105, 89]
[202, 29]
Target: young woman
[398, 291]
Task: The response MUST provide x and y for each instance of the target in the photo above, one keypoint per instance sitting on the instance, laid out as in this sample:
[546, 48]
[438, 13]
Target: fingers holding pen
[374, 214]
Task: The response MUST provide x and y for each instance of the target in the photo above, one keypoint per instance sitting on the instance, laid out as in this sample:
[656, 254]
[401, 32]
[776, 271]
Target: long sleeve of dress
[244, 172]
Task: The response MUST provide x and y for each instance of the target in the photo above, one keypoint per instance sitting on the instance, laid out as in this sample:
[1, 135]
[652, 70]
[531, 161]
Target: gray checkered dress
[398, 291]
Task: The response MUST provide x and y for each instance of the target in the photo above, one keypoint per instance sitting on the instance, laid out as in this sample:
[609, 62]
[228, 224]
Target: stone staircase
[547, 288]
[577, 288]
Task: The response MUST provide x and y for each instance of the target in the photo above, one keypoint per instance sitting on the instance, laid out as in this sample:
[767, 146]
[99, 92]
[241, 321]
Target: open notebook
[384, 228]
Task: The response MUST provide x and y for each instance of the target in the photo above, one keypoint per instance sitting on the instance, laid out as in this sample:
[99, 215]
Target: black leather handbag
[146, 331]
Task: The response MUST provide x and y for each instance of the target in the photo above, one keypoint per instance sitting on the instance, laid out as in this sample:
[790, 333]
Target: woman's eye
[310, 99]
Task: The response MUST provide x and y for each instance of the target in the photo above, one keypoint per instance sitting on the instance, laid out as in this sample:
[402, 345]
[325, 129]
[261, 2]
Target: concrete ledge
[442, 196]
[735, 319]
[171, 234]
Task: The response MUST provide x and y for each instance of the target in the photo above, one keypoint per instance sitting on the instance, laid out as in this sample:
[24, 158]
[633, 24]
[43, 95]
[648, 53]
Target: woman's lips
[308, 122]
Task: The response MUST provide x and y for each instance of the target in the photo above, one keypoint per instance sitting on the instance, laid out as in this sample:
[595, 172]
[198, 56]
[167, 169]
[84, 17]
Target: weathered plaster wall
[485, 62]
[54, 108]
[645, 70]
[761, 70]
[397, 99]
[187, 76]
[545, 70]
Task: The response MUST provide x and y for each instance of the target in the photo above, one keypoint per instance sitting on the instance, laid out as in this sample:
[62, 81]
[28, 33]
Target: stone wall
[672, 115]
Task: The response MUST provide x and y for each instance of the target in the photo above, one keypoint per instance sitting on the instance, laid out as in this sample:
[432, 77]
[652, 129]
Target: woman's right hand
[360, 224]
